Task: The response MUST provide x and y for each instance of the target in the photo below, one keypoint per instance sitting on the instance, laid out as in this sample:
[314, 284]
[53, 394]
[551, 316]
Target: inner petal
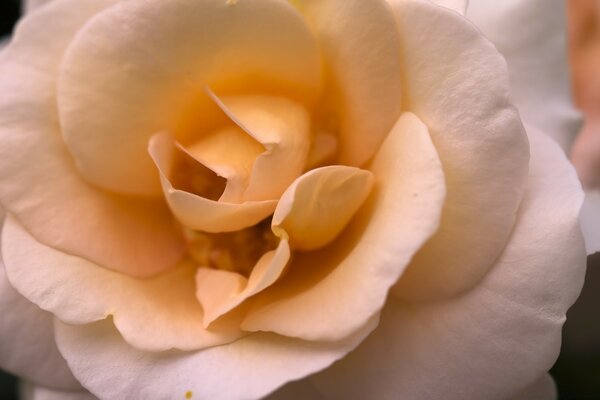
[319, 205]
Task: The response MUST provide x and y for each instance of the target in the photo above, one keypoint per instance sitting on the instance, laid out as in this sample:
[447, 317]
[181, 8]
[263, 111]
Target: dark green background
[577, 371]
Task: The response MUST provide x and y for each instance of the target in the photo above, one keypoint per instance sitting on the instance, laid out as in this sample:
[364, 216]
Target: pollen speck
[188, 394]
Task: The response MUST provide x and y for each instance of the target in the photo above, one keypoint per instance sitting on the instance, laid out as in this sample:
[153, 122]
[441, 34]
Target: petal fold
[347, 282]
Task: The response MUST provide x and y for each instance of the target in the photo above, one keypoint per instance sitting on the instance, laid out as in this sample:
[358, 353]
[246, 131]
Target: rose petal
[508, 327]
[459, 6]
[319, 205]
[196, 212]
[218, 293]
[456, 82]
[249, 368]
[283, 128]
[38, 183]
[532, 36]
[590, 221]
[30, 391]
[543, 388]
[123, 79]
[27, 346]
[154, 314]
[347, 282]
[361, 49]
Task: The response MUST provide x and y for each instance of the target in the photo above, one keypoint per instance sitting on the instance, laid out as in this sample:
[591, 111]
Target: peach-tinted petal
[154, 314]
[532, 36]
[38, 182]
[347, 282]
[249, 368]
[283, 128]
[220, 292]
[27, 347]
[31, 391]
[123, 78]
[319, 205]
[457, 83]
[197, 212]
[361, 51]
[499, 337]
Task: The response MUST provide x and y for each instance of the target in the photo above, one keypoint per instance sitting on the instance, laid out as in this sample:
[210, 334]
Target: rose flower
[213, 198]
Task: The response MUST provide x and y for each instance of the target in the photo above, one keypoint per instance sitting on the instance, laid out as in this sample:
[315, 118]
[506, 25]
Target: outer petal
[347, 282]
[157, 314]
[532, 36]
[38, 182]
[123, 78]
[508, 327]
[456, 82]
[30, 391]
[249, 368]
[27, 346]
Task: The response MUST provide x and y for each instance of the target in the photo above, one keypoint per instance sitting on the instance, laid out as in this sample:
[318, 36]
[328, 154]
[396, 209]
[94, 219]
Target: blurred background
[577, 370]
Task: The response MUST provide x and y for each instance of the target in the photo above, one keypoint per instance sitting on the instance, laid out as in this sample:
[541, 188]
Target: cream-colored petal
[532, 36]
[328, 294]
[30, 391]
[27, 347]
[499, 337]
[362, 55]
[219, 292]
[283, 128]
[249, 368]
[123, 78]
[197, 212]
[154, 315]
[480, 141]
[38, 182]
[319, 205]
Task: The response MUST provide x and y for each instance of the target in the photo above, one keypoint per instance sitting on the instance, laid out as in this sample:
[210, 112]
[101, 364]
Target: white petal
[532, 35]
[30, 391]
[328, 294]
[249, 368]
[124, 79]
[496, 339]
[457, 84]
[38, 182]
[154, 314]
[27, 347]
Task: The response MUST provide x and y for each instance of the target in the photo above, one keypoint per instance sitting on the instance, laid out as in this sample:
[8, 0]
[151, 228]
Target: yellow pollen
[188, 394]
[231, 2]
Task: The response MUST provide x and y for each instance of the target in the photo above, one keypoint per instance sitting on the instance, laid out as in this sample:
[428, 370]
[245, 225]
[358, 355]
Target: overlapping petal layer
[456, 82]
[154, 315]
[249, 368]
[347, 282]
[148, 76]
[502, 335]
[38, 182]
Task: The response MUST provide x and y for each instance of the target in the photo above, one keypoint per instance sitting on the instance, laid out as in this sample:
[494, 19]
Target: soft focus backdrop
[577, 371]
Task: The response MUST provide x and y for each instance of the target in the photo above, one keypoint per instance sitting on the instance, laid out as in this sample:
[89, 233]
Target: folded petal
[154, 314]
[319, 205]
[38, 182]
[27, 347]
[532, 36]
[347, 282]
[123, 79]
[499, 337]
[457, 83]
[197, 212]
[30, 391]
[249, 368]
[362, 54]
[219, 292]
